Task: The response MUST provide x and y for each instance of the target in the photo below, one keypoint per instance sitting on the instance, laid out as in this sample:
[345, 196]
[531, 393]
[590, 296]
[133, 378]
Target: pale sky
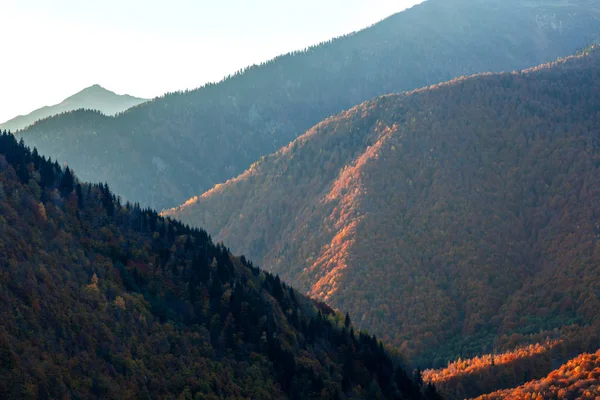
[50, 49]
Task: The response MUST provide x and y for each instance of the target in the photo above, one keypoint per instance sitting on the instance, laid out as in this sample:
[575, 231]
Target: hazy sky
[50, 49]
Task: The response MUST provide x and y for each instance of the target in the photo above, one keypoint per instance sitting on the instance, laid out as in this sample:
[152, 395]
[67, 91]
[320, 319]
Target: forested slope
[577, 379]
[510, 367]
[104, 300]
[441, 218]
[164, 152]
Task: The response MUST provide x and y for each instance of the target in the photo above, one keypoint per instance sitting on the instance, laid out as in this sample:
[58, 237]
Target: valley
[407, 211]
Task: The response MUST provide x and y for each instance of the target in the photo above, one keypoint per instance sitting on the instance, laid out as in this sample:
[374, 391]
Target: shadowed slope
[101, 300]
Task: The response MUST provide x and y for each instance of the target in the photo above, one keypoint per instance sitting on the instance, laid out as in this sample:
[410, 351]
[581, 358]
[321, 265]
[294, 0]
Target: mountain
[104, 300]
[441, 218]
[178, 146]
[578, 379]
[93, 98]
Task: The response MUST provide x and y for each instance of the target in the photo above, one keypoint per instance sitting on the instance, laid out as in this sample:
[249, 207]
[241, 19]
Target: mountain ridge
[377, 183]
[263, 108]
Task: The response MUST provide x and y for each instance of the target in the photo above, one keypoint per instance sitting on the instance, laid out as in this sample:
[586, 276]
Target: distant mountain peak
[96, 88]
[98, 91]
[94, 97]
[263, 108]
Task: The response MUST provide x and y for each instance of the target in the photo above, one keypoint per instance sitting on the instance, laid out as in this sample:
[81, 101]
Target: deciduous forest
[107, 300]
[409, 211]
[578, 379]
[441, 219]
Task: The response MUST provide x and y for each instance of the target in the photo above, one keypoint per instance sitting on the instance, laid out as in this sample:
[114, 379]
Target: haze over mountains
[92, 98]
[442, 218]
[180, 145]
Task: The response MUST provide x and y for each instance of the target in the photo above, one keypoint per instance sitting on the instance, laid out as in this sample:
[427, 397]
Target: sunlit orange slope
[439, 218]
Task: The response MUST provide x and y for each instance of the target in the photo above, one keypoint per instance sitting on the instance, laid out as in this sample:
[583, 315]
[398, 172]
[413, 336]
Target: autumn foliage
[442, 219]
[469, 366]
[468, 378]
[577, 379]
[103, 300]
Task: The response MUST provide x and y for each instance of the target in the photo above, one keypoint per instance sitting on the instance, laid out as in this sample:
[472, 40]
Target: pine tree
[66, 182]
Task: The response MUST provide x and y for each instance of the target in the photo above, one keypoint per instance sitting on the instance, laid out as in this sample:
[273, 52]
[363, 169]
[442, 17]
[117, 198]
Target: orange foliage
[577, 379]
[465, 367]
[508, 369]
[440, 219]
